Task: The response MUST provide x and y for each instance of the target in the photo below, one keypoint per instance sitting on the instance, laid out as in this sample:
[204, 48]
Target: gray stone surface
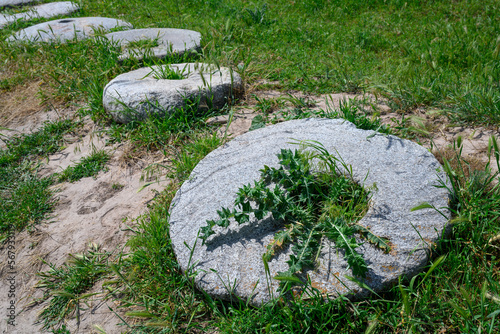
[66, 29]
[176, 41]
[139, 93]
[404, 173]
[46, 10]
[11, 3]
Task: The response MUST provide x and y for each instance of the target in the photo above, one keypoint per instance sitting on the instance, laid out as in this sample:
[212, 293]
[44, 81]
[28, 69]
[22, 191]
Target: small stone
[147, 91]
[46, 10]
[217, 120]
[230, 263]
[67, 29]
[170, 41]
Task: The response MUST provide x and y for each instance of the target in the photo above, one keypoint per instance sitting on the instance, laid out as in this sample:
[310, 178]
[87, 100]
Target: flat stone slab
[170, 41]
[137, 94]
[46, 10]
[404, 173]
[12, 3]
[66, 29]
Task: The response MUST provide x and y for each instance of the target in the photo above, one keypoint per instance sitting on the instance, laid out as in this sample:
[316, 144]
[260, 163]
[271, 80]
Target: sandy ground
[98, 210]
[91, 210]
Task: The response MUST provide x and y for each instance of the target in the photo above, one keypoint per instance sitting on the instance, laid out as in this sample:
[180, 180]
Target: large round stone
[67, 29]
[11, 3]
[404, 173]
[149, 91]
[46, 10]
[170, 41]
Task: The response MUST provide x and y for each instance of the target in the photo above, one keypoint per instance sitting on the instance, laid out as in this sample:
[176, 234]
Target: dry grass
[21, 102]
[450, 154]
[24, 101]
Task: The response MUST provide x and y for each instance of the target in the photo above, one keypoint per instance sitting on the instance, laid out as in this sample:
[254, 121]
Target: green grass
[142, 44]
[150, 279]
[161, 132]
[65, 287]
[187, 157]
[166, 72]
[25, 198]
[415, 53]
[40, 143]
[86, 167]
[352, 110]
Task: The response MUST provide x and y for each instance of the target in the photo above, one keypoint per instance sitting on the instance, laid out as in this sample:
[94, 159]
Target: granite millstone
[137, 94]
[67, 29]
[46, 10]
[404, 173]
[12, 3]
[170, 41]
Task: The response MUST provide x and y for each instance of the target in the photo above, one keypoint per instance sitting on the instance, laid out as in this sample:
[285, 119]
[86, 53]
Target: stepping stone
[147, 91]
[177, 41]
[404, 173]
[12, 3]
[66, 29]
[46, 10]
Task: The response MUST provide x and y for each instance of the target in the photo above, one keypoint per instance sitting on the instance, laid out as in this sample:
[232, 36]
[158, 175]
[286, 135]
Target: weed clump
[66, 286]
[166, 72]
[26, 198]
[88, 166]
[314, 202]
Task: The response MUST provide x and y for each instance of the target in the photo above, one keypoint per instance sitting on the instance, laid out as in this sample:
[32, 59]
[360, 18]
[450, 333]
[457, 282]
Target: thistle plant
[316, 198]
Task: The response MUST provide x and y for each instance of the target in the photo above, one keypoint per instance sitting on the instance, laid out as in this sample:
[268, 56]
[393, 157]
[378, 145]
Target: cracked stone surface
[46, 10]
[404, 173]
[170, 41]
[67, 29]
[143, 92]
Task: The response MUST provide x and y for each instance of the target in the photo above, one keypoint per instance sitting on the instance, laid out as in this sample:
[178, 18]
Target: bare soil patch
[441, 135]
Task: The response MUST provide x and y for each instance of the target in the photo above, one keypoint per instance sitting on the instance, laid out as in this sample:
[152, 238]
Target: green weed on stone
[313, 200]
